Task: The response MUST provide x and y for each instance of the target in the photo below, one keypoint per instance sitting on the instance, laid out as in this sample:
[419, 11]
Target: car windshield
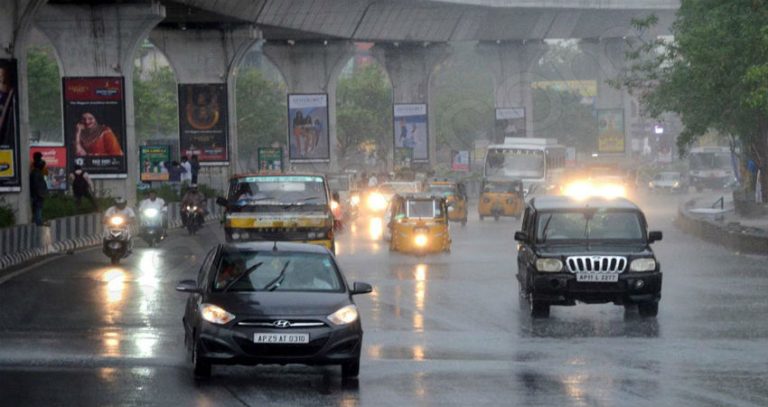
[266, 190]
[500, 187]
[510, 162]
[668, 176]
[241, 270]
[423, 208]
[588, 225]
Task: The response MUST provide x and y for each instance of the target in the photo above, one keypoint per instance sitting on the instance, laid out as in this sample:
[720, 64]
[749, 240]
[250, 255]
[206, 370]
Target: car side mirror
[361, 288]
[654, 236]
[221, 201]
[521, 236]
[188, 286]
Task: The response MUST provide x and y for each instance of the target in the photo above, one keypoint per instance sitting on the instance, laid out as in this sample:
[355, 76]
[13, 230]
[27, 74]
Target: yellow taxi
[501, 198]
[418, 224]
[455, 194]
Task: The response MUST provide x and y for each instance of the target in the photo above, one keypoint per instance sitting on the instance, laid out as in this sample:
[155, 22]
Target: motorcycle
[152, 229]
[117, 239]
[194, 218]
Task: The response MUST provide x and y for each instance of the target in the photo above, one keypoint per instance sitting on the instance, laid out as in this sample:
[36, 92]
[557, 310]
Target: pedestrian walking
[186, 176]
[82, 187]
[38, 191]
[195, 165]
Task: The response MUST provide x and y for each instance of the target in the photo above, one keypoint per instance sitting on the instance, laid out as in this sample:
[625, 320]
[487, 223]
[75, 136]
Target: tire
[482, 217]
[201, 368]
[648, 309]
[464, 222]
[539, 309]
[496, 218]
[351, 369]
[114, 260]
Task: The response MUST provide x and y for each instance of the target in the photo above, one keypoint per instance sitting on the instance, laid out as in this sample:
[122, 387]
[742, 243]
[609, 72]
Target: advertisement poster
[203, 122]
[308, 127]
[10, 174]
[411, 130]
[403, 157]
[270, 159]
[56, 161]
[610, 131]
[460, 161]
[510, 122]
[94, 125]
[154, 163]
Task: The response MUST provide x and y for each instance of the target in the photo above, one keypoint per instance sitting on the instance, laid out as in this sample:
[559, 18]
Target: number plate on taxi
[596, 278]
[280, 338]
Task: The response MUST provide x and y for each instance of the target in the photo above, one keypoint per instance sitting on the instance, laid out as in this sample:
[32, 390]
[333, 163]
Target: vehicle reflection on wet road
[439, 330]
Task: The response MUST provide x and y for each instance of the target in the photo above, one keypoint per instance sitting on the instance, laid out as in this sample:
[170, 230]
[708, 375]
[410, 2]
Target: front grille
[270, 323]
[281, 350]
[596, 264]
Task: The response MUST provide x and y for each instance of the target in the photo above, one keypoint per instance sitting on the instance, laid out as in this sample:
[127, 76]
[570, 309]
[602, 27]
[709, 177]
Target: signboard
[10, 174]
[94, 125]
[411, 129]
[403, 158]
[153, 161]
[56, 161]
[270, 159]
[510, 122]
[460, 161]
[308, 139]
[610, 131]
[203, 122]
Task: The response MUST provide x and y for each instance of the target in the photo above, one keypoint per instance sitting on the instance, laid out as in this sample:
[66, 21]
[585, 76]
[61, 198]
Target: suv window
[588, 225]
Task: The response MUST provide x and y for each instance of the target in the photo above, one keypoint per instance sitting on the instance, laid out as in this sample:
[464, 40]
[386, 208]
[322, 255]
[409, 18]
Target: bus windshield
[513, 162]
[710, 161]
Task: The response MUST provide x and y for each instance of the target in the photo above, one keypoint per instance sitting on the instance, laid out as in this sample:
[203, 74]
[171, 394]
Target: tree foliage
[44, 92]
[155, 103]
[261, 112]
[561, 114]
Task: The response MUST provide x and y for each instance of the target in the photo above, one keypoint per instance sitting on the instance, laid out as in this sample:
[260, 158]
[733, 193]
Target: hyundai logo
[281, 324]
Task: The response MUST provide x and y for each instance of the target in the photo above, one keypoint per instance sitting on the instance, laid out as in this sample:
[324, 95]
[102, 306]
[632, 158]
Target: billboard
[460, 160]
[610, 131]
[56, 161]
[10, 174]
[411, 129]
[510, 122]
[153, 161]
[94, 125]
[270, 159]
[308, 138]
[203, 122]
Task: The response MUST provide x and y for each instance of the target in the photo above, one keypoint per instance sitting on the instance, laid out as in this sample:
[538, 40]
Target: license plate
[281, 338]
[596, 278]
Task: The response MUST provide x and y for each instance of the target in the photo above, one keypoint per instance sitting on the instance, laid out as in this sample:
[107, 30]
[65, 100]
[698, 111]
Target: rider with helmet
[121, 208]
[192, 198]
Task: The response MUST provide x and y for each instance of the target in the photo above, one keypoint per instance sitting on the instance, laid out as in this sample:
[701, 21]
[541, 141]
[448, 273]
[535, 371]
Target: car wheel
[350, 369]
[539, 309]
[482, 217]
[648, 309]
[201, 367]
[496, 218]
[464, 222]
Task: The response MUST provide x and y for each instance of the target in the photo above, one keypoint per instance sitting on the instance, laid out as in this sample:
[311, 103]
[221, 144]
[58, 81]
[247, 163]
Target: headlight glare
[640, 265]
[150, 212]
[420, 240]
[215, 314]
[116, 220]
[345, 315]
[549, 265]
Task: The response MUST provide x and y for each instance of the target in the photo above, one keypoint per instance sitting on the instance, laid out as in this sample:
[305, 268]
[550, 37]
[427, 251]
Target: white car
[671, 181]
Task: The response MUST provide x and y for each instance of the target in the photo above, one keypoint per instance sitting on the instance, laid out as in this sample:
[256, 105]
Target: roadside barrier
[732, 236]
[22, 243]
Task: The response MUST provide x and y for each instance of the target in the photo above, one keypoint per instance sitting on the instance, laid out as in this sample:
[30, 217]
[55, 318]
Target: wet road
[444, 331]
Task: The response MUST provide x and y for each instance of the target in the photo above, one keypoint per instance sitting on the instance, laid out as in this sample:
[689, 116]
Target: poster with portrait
[153, 162]
[270, 159]
[56, 161]
[610, 131]
[308, 138]
[94, 125]
[460, 160]
[10, 174]
[510, 122]
[411, 129]
[203, 122]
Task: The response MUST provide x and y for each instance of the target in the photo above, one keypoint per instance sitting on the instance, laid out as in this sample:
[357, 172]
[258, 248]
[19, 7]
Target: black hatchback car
[593, 251]
[272, 303]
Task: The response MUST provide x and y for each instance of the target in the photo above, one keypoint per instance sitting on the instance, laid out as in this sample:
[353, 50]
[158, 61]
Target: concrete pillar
[313, 68]
[511, 65]
[101, 40]
[209, 56]
[409, 67]
[16, 18]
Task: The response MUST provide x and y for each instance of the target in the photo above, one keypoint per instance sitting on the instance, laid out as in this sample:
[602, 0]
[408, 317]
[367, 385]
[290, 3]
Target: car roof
[275, 174]
[563, 202]
[281, 246]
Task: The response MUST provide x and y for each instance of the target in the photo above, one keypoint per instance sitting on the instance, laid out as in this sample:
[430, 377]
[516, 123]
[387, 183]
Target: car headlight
[150, 212]
[639, 265]
[651, 184]
[420, 240]
[549, 265]
[116, 220]
[215, 314]
[377, 202]
[334, 205]
[354, 200]
[676, 184]
[345, 315]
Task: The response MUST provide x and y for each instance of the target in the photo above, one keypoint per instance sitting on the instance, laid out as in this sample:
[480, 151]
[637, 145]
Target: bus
[537, 162]
[710, 167]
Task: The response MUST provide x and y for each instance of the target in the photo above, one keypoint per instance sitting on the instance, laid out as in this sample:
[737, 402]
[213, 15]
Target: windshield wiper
[272, 285]
[544, 231]
[241, 276]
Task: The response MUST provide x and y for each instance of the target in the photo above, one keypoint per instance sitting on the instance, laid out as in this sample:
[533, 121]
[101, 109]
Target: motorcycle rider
[153, 201]
[192, 197]
[121, 208]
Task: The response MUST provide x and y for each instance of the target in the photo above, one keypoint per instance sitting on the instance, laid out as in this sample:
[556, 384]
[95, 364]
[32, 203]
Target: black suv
[593, 251]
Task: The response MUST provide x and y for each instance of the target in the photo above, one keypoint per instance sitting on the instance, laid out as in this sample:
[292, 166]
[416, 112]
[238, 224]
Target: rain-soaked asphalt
[441, 331]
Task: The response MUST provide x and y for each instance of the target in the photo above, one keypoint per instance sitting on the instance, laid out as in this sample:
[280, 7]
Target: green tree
[261, 112]
[44, 93]
[155, 103]
[364, 111]
[714, 75]
[560, 114]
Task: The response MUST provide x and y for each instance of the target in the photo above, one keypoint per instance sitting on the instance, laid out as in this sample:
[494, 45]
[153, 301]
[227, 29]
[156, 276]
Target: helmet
[120, 202]
[192, 186]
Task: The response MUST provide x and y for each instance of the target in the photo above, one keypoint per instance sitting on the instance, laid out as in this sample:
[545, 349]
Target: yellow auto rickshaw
[455, 194]
[501, 198]
[418, 224]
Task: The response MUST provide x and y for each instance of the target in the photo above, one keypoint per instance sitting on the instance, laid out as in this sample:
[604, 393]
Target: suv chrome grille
[596, 264]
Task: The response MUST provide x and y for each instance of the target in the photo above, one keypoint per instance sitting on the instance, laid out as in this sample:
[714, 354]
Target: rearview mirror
[188, 286]
[221, 201]
[361, 288]
[521, 236]
[654, 236]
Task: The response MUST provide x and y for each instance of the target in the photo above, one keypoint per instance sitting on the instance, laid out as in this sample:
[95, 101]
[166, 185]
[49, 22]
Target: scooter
[152, 230]
[194, 218]
[117, 239]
